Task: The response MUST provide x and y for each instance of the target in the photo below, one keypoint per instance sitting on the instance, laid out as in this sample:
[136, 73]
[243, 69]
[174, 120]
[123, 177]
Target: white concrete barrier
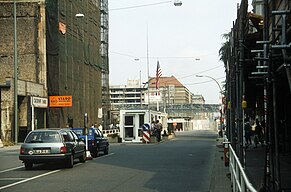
[1, 144]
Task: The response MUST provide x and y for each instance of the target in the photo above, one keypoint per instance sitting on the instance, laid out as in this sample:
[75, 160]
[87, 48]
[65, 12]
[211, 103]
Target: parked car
[96, 140]
[52, 145]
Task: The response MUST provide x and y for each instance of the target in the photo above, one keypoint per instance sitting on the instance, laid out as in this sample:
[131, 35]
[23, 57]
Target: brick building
[31, 62]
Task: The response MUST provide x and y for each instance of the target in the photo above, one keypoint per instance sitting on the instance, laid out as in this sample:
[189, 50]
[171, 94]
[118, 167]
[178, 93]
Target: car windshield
[43, 137]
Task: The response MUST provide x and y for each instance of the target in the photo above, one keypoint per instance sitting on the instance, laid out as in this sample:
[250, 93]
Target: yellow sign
[61, 101]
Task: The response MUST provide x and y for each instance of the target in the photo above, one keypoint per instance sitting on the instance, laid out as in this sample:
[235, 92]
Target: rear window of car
[43, 137]
[80, 132]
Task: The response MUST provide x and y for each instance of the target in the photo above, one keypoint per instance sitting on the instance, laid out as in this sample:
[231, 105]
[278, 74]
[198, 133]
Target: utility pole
[15, 77]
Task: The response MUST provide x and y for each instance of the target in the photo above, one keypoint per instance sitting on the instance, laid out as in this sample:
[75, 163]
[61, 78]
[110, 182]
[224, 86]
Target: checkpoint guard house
[131, 122]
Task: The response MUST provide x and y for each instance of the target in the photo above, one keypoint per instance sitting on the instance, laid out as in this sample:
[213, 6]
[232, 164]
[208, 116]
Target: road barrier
[146, 136]
[110, 131]
[239, 180]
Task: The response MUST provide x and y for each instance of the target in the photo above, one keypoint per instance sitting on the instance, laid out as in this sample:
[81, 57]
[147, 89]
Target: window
[67, 136]
[74, 135]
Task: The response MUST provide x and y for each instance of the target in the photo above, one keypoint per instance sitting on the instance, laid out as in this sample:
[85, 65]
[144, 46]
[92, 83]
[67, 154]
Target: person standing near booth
[159, 130]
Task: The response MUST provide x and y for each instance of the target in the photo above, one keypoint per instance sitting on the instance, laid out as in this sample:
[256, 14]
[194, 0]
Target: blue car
[96, 141]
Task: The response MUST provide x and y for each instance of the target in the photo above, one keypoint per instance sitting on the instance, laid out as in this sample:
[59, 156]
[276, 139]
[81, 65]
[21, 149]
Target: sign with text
[39, 102]
[61, 101]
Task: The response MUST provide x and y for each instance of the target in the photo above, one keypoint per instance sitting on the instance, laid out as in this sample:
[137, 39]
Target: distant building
[198, 99]
[171, 91]
[174, 100]
[130, 94]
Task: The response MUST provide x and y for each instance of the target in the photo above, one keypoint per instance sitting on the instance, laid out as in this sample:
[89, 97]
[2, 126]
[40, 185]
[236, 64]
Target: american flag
[158, 75]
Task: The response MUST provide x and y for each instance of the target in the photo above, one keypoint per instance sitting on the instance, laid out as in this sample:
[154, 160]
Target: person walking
[258, 133]
[248, 132]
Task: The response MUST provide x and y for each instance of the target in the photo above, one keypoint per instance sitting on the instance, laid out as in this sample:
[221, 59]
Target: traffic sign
[145, 127]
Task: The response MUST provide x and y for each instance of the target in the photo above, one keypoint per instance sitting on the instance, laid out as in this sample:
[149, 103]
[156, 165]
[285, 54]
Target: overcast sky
[185, 40]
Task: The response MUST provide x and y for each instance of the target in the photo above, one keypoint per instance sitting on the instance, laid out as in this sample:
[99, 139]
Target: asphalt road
[182, 164]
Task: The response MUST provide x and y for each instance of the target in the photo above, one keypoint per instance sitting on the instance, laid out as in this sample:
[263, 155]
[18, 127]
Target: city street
[182, 164]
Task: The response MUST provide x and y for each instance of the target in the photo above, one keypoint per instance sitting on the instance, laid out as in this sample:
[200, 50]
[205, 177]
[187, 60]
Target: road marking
[11, 179]
[29, 179]
[6, 170]
[103, 156]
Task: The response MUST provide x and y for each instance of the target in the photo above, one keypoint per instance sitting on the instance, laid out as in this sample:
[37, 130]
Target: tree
[224, 51]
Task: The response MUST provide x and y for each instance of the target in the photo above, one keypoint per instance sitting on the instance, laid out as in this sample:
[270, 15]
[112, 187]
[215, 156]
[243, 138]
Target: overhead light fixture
[78, 15]
[177, 3]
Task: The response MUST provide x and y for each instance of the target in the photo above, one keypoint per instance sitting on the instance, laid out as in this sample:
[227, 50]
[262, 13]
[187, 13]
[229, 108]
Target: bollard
[226, 153]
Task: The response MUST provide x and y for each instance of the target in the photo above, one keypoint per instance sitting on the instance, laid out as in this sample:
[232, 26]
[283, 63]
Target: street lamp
[213, 80]
[177, 3]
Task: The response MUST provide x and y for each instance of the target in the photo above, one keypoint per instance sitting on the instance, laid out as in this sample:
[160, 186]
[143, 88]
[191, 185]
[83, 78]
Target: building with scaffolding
[259, 88]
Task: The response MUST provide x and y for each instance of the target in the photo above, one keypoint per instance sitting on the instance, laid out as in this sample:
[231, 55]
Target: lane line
[29, 179]
[6, 170]
[38, 176]
[104, 156]
[11, 179]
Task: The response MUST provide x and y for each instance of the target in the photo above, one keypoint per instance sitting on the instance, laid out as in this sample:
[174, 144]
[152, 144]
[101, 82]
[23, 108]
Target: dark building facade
[73, 60]
[259, 87]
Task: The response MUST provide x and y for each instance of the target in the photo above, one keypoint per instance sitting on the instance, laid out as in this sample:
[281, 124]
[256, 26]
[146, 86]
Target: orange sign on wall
[61, 101]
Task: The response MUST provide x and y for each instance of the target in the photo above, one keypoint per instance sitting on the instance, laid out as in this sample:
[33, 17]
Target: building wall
[74, 61]
[31, 62]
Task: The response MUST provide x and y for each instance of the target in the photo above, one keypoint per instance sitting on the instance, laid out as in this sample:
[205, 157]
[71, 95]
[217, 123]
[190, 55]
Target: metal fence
[239, 180]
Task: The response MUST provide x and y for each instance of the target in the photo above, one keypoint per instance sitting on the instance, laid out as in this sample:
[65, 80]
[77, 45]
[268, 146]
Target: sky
[185, 40]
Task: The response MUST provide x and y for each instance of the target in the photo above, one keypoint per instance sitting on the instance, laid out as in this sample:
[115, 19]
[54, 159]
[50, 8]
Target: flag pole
[148, 70]
[158, 76]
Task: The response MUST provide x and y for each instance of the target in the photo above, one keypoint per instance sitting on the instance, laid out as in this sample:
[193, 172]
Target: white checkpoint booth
[131, 122]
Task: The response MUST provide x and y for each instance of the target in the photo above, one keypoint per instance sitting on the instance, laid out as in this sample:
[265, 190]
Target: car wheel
[70, 161]
[106, 150]
[28, 165]
[82, 159]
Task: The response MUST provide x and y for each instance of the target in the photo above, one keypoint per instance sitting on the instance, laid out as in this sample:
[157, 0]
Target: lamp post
[176, 3]
[15, 77]
[220, 89]
[213, 80]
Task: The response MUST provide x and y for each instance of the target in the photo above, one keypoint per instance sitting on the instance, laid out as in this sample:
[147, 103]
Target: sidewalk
[10, 148]
[219, 178]
[255, 162]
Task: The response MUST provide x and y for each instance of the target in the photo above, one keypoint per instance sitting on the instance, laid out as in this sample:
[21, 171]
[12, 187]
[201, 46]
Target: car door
[99, 139]
[78, 145]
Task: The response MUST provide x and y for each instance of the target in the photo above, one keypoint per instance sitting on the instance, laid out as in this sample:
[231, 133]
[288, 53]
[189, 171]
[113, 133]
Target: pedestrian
[258, 133]
[248, 132]
[159, 130]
